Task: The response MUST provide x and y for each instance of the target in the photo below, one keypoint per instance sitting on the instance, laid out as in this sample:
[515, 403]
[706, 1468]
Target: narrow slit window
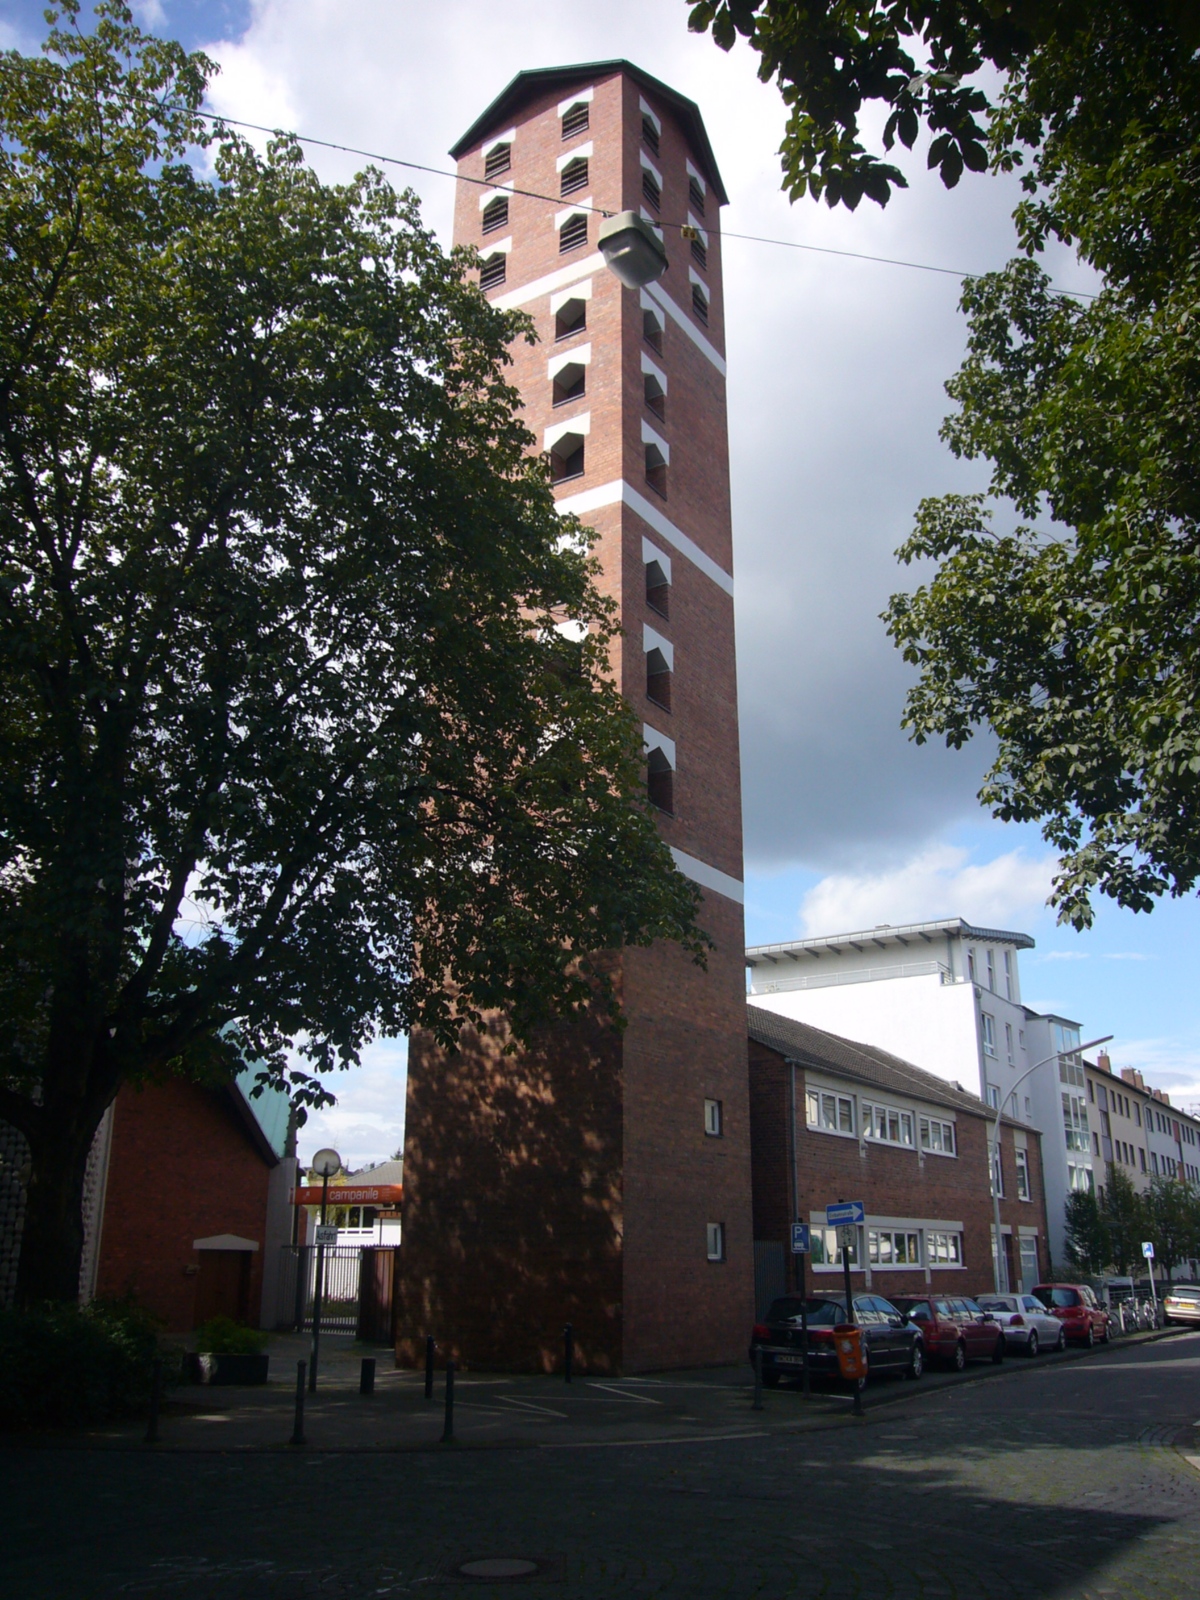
[658, 589]
[660, 782]
[716, 1241]
[649, 132]
[652, 330]
[570, 319]
[575, 119]
[573, 233]
[656, 469]
[699, 253]
[574, 177]
[650, 190]
[570, 383]
[658, 679]
[712, 1119]
[656, 399]
[567, 458]
[493, 271]
[695, 196]
[700, 303]
[495, 214]
[497, 161]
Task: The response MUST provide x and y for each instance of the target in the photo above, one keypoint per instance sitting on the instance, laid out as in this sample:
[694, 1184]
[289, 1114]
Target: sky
[836, 373]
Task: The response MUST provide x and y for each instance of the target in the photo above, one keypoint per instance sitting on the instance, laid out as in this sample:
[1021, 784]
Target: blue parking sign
[801, 1245]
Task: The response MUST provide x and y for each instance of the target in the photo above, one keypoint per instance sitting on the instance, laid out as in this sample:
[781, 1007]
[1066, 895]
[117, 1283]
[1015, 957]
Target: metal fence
[357, 1296]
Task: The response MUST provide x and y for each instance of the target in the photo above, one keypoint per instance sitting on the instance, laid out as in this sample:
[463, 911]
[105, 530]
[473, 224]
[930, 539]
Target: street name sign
[845, 1211]
[327, 1234]
[801, 1244]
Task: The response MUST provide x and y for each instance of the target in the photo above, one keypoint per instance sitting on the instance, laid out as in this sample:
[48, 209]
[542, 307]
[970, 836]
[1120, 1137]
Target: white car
[1027, 1325]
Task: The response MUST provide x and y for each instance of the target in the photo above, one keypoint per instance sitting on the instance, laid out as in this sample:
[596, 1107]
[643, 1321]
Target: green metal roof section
[526, 84]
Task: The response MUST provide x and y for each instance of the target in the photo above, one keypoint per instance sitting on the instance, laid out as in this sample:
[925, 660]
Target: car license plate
[791, 1361]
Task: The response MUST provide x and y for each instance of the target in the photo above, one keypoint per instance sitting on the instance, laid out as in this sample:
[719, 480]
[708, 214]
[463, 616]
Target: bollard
[758, 1405]
[430, 1347]
[298, 1426]
[448, 1428]
[155, 1394]
[568, 1351]
[366, 1380]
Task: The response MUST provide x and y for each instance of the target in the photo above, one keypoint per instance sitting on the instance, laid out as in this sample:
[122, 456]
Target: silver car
[1027, 1325]
[1181, 1303]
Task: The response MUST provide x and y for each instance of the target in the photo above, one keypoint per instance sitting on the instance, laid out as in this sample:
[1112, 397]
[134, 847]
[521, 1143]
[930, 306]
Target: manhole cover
[499, 1567]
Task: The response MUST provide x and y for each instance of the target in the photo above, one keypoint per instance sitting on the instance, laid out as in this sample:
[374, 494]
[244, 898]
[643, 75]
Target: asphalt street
[1077, 1479]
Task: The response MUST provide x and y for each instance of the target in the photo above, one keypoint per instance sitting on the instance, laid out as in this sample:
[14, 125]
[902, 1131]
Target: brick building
[578, 1180]
[865, 1125]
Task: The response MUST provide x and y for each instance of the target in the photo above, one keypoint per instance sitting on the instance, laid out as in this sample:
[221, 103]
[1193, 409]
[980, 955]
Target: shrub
[67, 1366]
[222, 1336]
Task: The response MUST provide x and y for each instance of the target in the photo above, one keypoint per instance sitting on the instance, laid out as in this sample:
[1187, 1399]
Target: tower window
[656, 399]
[570, 383]
[699, 253]
[656, 469]
[566, 458]
[573, 233]
[658, 589]
[660, 782]
[575, 119]
[574, 177]
[700, 303]
[495, 214]
[651, 190]
[493, 270]
[570, 318]
[497, 160]
[712, 1119]
[695, 195]
[658, 679]
[652, 329]
[649, 132]
[716, 1241]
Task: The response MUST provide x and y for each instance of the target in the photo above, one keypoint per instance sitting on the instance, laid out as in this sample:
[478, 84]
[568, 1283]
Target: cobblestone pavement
[1077, 1479]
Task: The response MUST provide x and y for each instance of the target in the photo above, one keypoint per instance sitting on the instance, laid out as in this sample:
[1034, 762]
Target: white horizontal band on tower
[618, 492]
[583, 268]
[709, 877]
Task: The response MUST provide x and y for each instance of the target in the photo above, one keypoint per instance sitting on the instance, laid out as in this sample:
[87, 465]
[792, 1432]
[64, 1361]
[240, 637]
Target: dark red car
[1083, 1318]
[954, 1328]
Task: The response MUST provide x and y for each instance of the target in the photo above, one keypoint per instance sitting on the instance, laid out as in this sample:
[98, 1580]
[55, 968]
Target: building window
[695, 195]
[1028, 1109]
[937, 1137]
[993, 1096]
[887, 1124]
[989, 1033]
[650, 189]
[886, 1248]
[649, 132]
[495, 214]
[1091, 1096]
[574, 177]
[1075, 1122]
[656, 469]
[699, 252]
[716, 1241]
[943, 1249]
[569, 383]
[655, 395]
[658, 679]
[1142, 1158]
[570, 319]
[832, 1112]
[1008, 975]
[493, 270]
[575, 119]
[971, 965]
[997, 1173]
[1008, 1041]
[573, 233]
[652, 329]
[1137, 1113]
[1021, 1037]
[1079, 1178]
[700, 303]
[658, 589]
[826, 1246]
[712, 1118]
[991, 969]
[660, 782]
[566, 458]
[1023, 1190]
[497, 160]
[1096, 1144]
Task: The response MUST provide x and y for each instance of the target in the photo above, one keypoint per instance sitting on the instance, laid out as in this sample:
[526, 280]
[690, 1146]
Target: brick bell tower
[600, 1178]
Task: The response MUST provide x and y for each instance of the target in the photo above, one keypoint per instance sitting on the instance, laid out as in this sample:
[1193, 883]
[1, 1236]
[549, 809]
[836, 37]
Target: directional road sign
[1148, 1249]
[845, 1211]
[801, 1245]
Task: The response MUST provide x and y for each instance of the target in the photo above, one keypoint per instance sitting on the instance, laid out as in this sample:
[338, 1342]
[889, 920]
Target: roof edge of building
[898, 931]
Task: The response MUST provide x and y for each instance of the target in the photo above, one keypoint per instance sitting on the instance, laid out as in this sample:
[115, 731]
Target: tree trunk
[52, 1239]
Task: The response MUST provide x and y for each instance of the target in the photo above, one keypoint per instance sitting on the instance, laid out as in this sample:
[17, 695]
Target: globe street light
[1002, 1288]
[325, 1164]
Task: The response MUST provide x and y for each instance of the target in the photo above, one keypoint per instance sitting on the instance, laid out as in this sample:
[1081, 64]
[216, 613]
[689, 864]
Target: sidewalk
[505, 1410]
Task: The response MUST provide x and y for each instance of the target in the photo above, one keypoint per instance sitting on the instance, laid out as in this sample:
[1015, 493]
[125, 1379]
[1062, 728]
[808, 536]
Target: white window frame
[842, 1103]
[988, 1029]
[823, 1241]
[715, 1241]
[944, 1131]
[1024, 1189]
[943, 1251]
[914, 1255]
[870, 1110]
[714, 1119]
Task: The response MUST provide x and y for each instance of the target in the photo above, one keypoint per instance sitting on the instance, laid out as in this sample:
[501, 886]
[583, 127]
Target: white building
[946, 996]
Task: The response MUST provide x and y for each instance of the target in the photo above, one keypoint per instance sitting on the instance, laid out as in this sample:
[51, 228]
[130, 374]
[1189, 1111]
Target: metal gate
[357, 1296]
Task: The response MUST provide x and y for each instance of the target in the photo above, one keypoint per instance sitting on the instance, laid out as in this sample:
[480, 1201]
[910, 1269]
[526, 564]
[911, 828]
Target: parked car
[1082, 1316]
[1181, 1303]
[1027, 1324]
[955, 1329]
[890, 1341]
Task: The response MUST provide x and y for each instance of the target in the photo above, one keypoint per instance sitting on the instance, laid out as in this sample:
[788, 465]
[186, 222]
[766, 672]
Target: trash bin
[852, 1358]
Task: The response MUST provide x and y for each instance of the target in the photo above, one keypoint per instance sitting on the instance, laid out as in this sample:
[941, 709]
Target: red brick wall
[523, 1148]
[181, 1168]
[890, 1182]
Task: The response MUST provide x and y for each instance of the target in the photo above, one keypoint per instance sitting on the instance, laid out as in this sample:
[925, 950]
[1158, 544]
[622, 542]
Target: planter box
[204, 1367]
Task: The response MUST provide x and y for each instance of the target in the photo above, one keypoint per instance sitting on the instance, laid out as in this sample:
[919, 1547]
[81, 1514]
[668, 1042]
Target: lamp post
[1001, 1288]
[325, 1164]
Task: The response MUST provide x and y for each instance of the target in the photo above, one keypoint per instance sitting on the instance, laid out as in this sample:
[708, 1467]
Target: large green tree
[1123, 1213]
[1172, 1212]
[287, 686]
[1086, 1237]
[1068, 624]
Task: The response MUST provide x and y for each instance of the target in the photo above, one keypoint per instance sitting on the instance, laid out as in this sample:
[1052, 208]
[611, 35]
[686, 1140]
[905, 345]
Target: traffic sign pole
[1148, 1252]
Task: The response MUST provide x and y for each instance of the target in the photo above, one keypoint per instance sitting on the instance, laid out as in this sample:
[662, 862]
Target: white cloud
[367, 1123]
[1061, 955]
[939, 882]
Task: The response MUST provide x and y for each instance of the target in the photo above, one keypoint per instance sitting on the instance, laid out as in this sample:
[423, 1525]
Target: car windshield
[1057, 1297]
[821, 1313]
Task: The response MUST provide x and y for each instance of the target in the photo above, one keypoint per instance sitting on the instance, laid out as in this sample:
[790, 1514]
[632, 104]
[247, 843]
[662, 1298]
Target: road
[1064, 1480]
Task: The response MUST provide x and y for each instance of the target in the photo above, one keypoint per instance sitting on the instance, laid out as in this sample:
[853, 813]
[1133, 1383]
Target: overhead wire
[557, 200]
